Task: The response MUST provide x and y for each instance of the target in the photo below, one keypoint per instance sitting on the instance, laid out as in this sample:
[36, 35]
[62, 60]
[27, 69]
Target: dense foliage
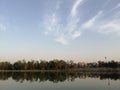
[55, 65]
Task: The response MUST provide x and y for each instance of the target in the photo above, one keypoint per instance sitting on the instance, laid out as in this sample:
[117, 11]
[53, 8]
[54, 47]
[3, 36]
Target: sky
[79, 30]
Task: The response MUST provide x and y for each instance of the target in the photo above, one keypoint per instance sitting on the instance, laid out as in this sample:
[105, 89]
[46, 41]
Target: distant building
[82, 65]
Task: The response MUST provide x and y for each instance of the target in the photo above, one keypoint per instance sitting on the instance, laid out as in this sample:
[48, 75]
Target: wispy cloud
[6, 25]
[92, 21]
[74, 8]
[51, 24]
[62, 39]
[109, 25]
[3, 24]
[63, 33]
[112, 27]
[118, 5]
[104, 22]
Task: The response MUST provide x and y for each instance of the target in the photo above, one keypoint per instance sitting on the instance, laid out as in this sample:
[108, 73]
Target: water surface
[59, 81]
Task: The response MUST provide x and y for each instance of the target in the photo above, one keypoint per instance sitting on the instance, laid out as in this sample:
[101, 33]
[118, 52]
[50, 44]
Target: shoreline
[69, 70]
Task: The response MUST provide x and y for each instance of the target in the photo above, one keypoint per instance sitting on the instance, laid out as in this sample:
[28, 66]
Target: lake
[59, 81]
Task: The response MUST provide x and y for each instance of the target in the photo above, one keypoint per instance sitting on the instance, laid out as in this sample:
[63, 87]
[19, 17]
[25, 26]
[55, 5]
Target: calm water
[59, 81]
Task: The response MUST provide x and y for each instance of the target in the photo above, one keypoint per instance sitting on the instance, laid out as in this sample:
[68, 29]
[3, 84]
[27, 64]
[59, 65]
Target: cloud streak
[63, 33]
[72, 29]
[3, 25]
[74, 8]
[6, 25]
[108, 26]
[92, 21]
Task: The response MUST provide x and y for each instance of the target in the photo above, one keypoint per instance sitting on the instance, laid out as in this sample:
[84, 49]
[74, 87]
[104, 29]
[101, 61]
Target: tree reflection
[55, 77]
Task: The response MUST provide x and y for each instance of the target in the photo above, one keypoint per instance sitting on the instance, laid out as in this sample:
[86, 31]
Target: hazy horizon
[80, 30]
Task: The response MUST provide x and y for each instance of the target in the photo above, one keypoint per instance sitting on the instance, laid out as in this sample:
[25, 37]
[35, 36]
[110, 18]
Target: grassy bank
[69, 70]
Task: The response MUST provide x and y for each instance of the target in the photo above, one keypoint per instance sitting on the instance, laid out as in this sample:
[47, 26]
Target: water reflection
[55, 76]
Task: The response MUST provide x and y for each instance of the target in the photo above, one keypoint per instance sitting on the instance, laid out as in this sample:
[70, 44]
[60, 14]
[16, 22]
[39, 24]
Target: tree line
[55, 65]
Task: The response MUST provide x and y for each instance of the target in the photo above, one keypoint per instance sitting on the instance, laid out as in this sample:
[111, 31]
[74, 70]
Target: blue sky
[80, 30]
